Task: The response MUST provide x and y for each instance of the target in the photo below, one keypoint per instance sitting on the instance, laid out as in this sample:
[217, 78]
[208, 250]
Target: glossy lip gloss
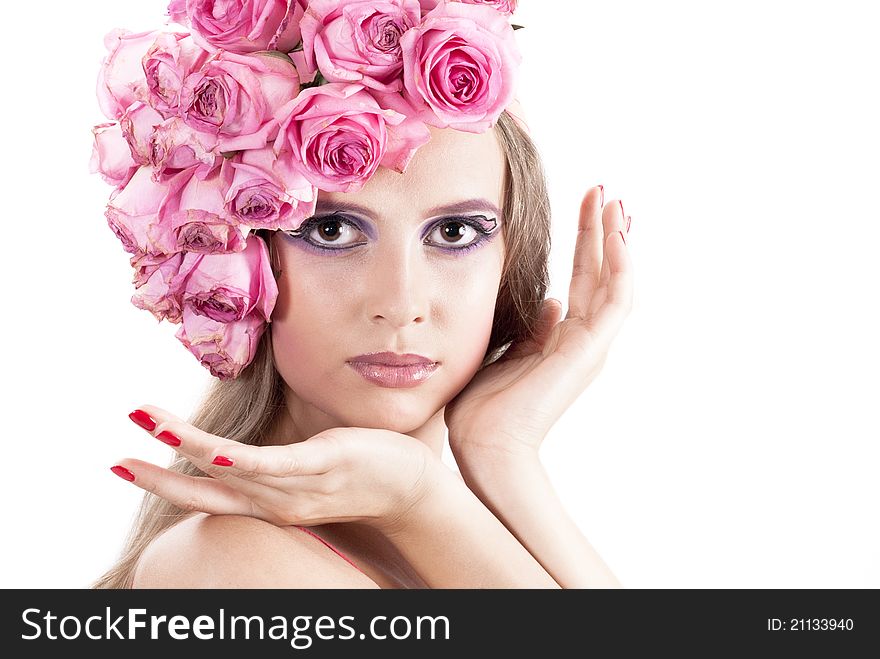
[395, 377]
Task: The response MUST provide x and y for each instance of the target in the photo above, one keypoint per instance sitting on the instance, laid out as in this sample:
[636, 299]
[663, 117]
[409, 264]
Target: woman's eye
[336, 232]
[453, 233]
[333, 231]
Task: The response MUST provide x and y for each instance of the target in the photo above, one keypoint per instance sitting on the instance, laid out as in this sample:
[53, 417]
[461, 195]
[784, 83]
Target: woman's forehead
[454, 172]
[342, 203]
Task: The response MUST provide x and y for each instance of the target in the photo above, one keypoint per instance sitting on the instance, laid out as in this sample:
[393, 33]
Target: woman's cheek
[473, 295]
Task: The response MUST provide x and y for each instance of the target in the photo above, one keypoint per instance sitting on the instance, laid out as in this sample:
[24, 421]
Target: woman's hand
[510, 405]
[339, 475]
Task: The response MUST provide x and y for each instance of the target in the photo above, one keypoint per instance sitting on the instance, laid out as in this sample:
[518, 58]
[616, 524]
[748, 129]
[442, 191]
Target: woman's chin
[400, 418]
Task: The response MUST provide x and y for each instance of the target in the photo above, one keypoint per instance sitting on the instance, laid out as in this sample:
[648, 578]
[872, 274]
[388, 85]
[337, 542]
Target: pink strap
[315, 535]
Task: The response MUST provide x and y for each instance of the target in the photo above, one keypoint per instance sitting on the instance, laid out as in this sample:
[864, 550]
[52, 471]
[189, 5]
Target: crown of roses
[235, 124]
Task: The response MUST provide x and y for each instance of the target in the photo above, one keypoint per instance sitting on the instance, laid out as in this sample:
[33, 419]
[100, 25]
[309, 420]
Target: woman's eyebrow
[468, 206]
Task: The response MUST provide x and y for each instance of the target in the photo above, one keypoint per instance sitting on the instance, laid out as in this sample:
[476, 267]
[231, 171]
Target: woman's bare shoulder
[230, 551]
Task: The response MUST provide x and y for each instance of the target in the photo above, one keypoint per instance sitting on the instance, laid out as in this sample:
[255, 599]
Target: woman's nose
[398, 289]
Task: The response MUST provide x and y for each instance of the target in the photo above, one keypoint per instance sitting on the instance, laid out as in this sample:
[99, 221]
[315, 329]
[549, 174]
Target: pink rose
[305, 72]
[145, 264]
[193, 216]
[121, 79]
[177, 12]
[156, 278]
[228, 287]
[262, 198]
[174, 146]
[227, 301]
[337, 135]
[225, 349]
[504, 6]
[460, 66]
[184, 213]
[236, 96]
[111, 155]
[358, 41]
[171, 58]
[133, 212]
[241, 26]
[138, 123]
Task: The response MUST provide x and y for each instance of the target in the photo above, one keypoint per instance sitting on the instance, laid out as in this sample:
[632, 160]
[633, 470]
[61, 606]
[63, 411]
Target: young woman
[339, 204]
[446, 261]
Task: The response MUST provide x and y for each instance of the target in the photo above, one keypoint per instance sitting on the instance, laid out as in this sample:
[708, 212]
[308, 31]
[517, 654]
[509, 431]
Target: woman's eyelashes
[326, 233]
[338, 232]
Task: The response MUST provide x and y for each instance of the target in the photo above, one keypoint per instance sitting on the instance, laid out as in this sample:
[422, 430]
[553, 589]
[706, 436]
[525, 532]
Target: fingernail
[169, 438]
[622, 237]
[122, 472]
[222, 461]
[143, 419]
[622, 213]
[628, 222]
[601, 195]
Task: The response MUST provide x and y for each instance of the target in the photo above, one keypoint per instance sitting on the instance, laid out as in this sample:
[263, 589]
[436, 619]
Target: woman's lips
[395, 377]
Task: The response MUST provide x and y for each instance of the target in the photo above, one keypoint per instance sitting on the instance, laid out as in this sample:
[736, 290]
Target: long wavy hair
[245, 409]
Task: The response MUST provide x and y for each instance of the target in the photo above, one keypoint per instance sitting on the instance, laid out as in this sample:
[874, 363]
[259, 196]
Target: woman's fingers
[601, 290]
[300, 459]
[614, 298]
[587, 253]
[613, 224]
[199, 447]
[224, 458]
[172, 430]
[192, 493]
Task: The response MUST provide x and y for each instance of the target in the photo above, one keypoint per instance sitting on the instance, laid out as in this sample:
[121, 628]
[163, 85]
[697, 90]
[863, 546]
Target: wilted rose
[138, 123]
[111, 155]
[175, 146]
[167, 63]
[156, 278]
[225, 349]
[228, 287]
[133, 212]
[263, 197]
[227, 302]
[185, 213]
[236, 97]
[193, 217]
[121, 79]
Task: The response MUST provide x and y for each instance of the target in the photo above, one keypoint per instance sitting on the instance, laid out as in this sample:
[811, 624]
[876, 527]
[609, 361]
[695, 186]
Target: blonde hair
[245, 409]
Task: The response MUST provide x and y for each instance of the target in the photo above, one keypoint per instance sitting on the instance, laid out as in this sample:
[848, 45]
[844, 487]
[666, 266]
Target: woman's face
[389, 271]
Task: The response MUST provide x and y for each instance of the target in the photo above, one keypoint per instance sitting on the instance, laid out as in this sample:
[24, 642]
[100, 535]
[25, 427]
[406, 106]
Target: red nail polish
[622, 237]
[222, 461]
[169, 438]
[628, 222]
[122, 472]
[601, 195]
[622, 213]
[143, 420]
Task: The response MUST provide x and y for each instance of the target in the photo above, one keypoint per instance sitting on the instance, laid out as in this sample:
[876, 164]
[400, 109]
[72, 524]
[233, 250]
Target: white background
[732, 438]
